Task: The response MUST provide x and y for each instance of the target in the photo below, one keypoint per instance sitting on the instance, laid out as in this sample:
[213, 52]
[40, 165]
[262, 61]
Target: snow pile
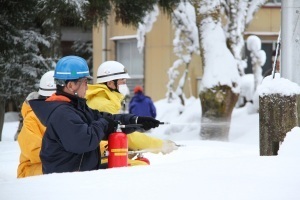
[235, 167]
[290, 145]
[11, 116]
[278, 85]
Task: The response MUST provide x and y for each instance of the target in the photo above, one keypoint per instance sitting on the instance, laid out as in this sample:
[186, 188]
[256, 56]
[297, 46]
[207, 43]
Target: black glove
[111, 125]
[148, 122]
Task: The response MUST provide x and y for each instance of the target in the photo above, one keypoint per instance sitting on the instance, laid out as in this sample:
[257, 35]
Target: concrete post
[290, 40]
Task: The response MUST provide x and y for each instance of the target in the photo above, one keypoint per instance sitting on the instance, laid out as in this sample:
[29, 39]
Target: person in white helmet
[107, 95]
[71, 142]
[31, 134]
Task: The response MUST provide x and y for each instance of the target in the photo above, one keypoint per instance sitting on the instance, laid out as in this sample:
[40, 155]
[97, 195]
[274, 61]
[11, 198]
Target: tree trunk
[2, 114]
[217, 105]
[217, 101]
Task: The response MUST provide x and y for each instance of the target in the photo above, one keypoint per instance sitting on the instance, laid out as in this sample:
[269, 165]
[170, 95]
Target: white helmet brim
[110, 77]
[46, 92]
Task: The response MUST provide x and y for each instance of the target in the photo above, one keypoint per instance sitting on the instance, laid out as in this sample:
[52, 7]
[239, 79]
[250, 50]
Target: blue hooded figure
[141, 105]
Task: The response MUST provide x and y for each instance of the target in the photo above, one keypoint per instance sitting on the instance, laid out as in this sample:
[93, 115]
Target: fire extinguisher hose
[150, 150]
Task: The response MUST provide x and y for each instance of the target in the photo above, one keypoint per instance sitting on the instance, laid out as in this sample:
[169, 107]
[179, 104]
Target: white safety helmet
[47, 85]
[111, 70]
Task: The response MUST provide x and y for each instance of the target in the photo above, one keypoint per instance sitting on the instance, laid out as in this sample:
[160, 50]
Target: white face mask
[123, 89]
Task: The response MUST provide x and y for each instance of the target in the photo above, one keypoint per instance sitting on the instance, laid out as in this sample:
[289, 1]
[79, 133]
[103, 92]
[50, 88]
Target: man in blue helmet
[74, 131]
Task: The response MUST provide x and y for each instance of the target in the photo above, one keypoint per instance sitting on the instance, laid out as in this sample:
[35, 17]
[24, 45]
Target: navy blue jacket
[142, 105]
[73, 133]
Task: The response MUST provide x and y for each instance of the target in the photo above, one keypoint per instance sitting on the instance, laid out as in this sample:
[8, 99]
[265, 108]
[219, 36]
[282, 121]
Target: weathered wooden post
[279, 104]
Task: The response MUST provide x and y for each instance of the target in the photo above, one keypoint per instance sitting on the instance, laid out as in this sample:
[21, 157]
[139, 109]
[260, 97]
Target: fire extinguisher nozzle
[162, 123]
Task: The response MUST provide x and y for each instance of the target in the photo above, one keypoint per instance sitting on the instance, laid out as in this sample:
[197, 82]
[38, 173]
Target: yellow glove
[168, 146]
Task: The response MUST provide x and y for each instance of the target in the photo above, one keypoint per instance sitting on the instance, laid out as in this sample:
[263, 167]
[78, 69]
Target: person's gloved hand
[168, 146]
[148, 122]
[111, 125]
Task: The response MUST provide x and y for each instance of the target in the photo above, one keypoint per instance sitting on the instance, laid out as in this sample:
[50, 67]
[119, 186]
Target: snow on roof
[262, 33]
[123, 37]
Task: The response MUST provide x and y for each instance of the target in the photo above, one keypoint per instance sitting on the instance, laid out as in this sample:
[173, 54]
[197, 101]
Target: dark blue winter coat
[142, 105]
[74, 131]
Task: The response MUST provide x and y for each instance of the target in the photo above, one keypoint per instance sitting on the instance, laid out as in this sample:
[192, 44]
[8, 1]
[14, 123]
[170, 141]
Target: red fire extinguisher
[117, 149]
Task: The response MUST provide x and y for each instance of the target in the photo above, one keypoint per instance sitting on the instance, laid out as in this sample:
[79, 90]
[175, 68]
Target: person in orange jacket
[32, 132]
[106, 96]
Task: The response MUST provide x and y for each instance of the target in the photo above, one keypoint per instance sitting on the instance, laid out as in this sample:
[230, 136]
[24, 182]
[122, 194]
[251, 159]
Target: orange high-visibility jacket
[30, 142]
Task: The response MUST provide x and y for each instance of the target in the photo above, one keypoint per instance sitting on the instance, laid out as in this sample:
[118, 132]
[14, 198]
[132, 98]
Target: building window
[128, 54]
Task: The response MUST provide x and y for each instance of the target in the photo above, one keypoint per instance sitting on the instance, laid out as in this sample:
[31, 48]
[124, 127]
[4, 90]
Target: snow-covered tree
[52, 14]
[30, 43]
[220, 82]
[21, 62]
[145, 26]
[258, 58]
[221, 48]
[238, 15]
[84, 49]
[250, 82]
[186, 43]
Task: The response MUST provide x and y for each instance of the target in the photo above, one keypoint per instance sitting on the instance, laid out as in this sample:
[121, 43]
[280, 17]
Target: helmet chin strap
[116, 86]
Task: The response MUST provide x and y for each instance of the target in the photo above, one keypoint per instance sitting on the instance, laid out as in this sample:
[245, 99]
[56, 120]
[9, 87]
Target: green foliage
[168, 5]
[13, 15]
[127, 12]
[68, 13]
[97, 11]
[130, 12]
[20, 62]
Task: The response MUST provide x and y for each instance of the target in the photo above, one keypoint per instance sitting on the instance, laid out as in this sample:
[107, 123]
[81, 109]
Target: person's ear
[70, 86]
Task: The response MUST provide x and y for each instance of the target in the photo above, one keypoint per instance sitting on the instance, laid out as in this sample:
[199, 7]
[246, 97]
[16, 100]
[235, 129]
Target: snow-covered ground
[199, 170]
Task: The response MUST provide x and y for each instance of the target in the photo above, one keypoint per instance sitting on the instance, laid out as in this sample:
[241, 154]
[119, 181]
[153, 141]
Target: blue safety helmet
[71, 68]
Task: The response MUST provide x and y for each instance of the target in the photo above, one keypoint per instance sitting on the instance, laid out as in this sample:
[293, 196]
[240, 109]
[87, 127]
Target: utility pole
[290, 43]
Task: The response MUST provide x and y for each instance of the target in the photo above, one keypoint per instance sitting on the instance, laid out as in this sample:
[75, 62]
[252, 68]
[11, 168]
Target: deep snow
[199, 170]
